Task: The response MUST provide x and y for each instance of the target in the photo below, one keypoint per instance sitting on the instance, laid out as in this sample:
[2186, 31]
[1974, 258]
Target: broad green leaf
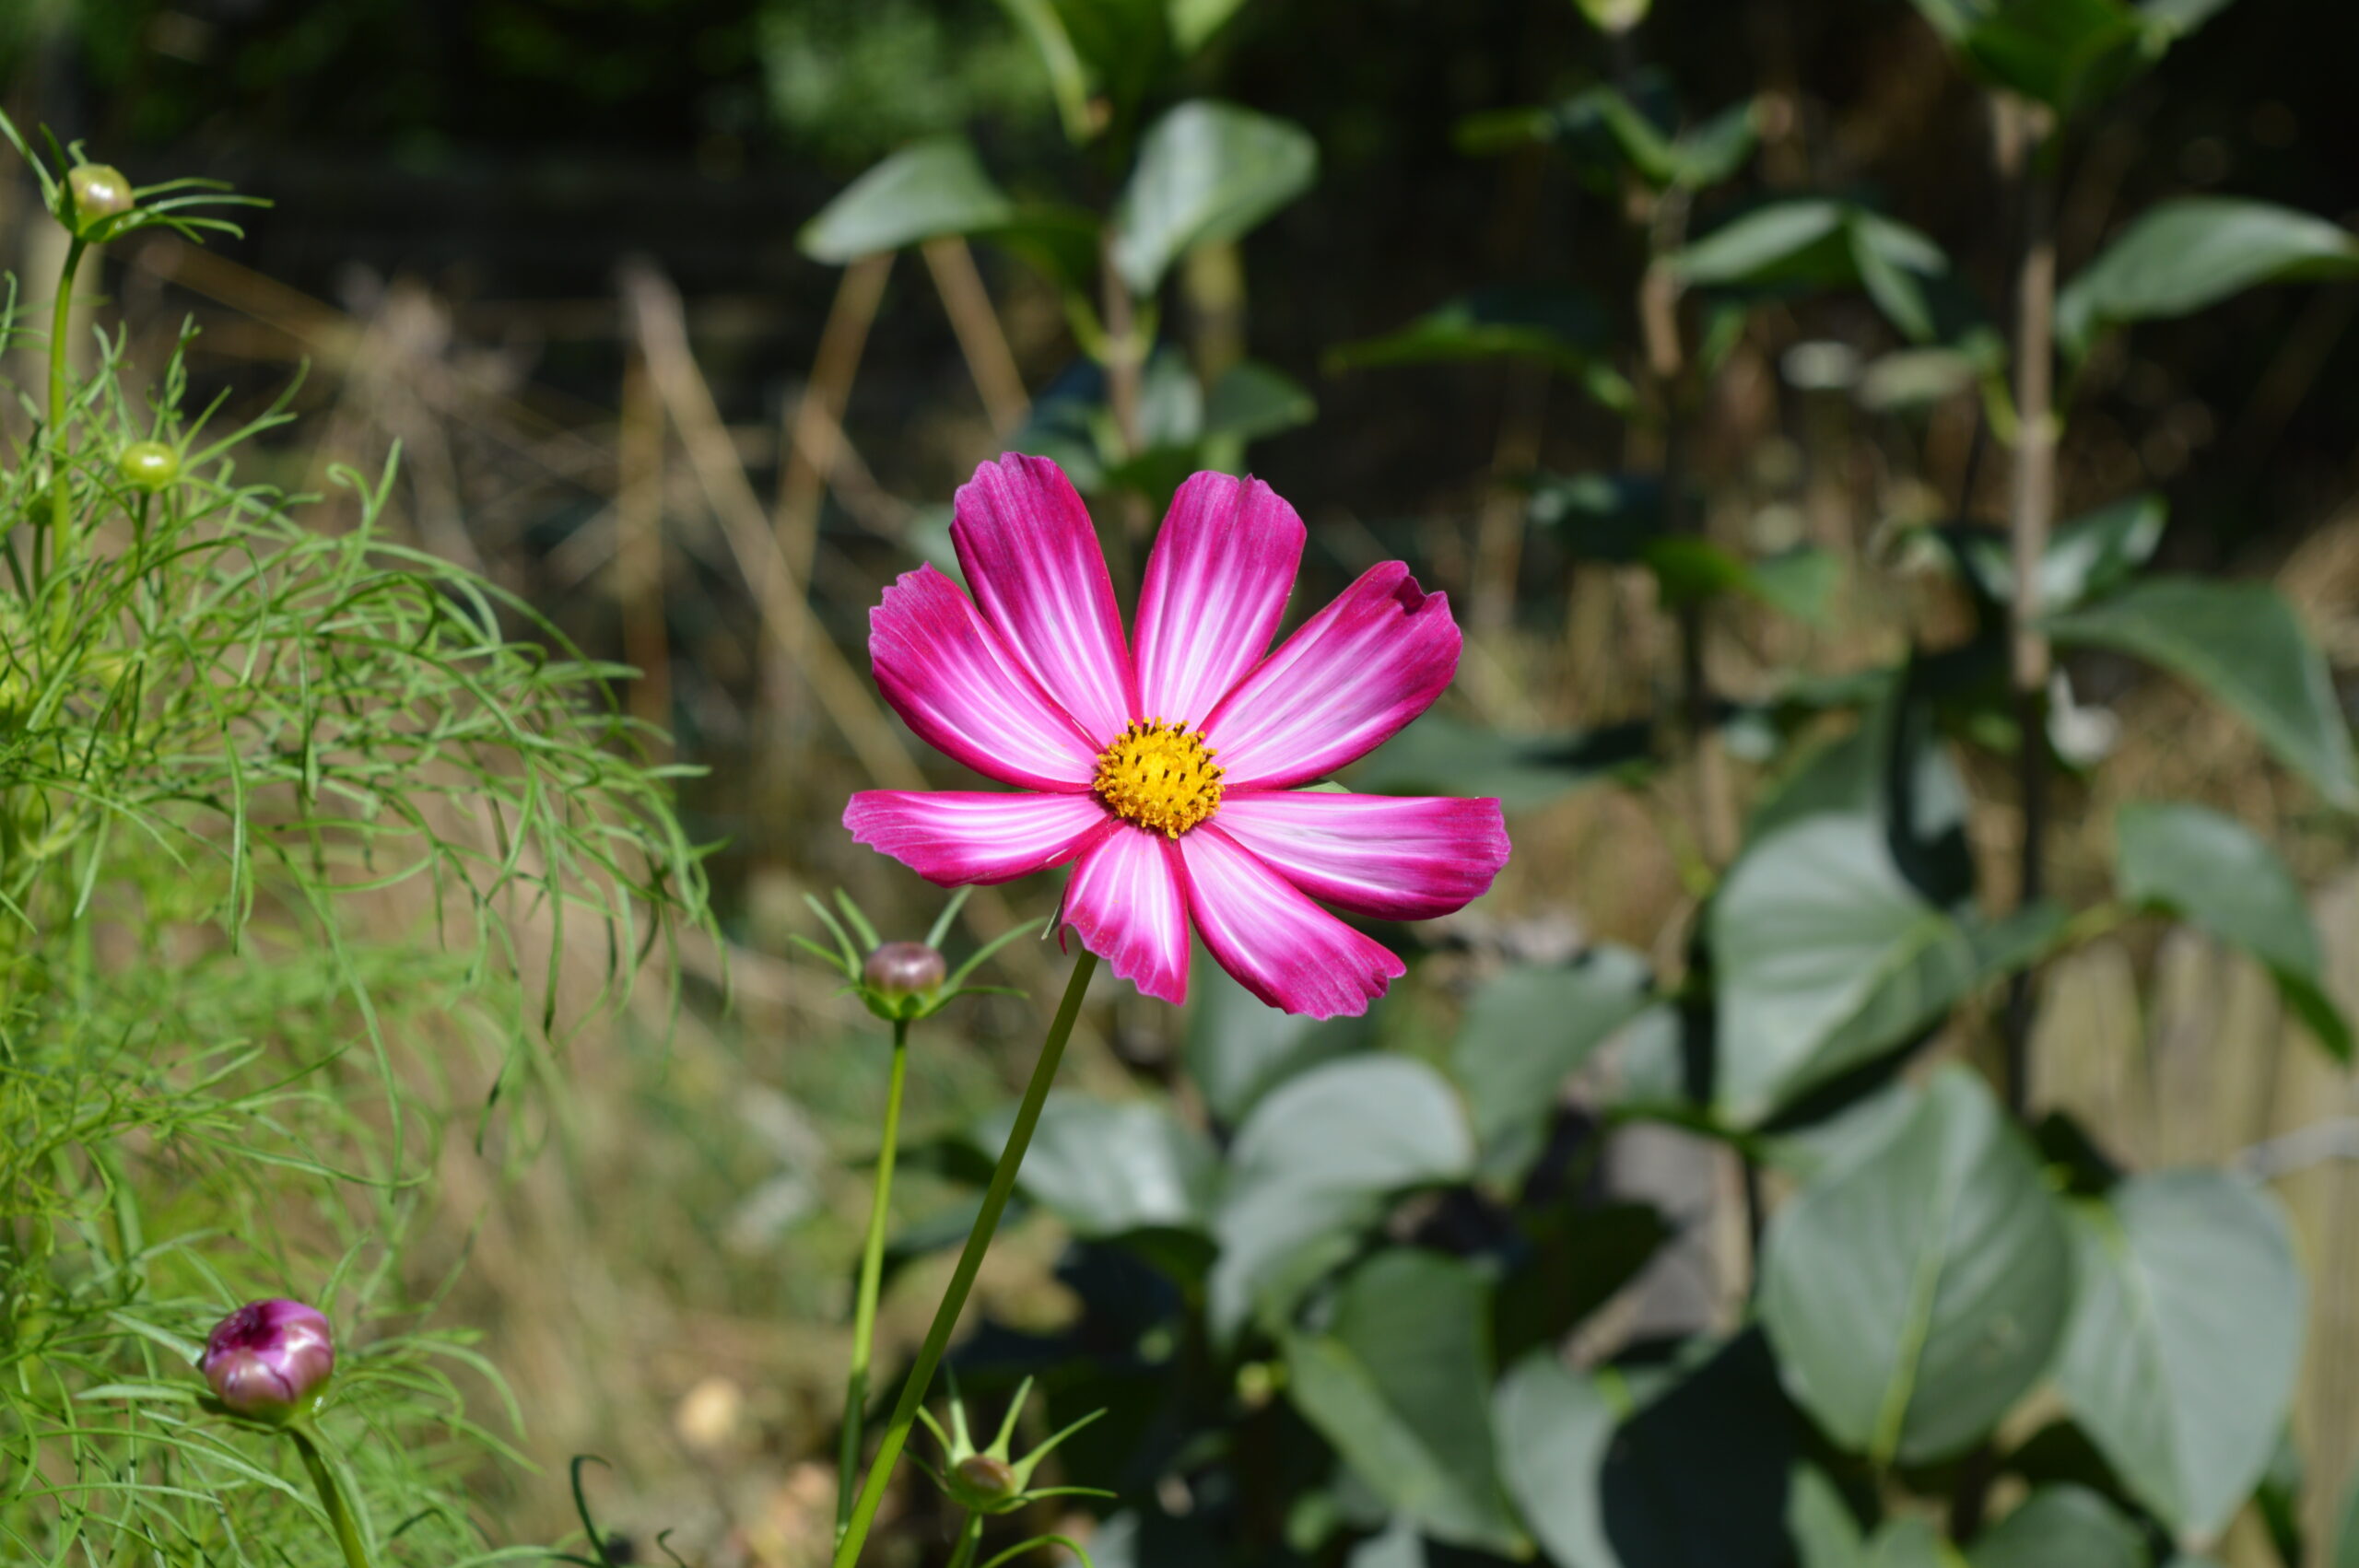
[1563, 329]
[2180, 256]
[1907, 1543]
[2243, 644]
[1398, 1381]
[1525, 1032]
[1915, 1293]
[1825, 1533]
[2185, 1338]
[2217, 874]
[1554, 1425]
[1239, 1047]
[1106, 1168]
[1684, 1469]
[2086, 558]
[1568, 1258]
[1206, 172]
[2065, 53]
[1600, 517]
[1824, 956]
[1698, 1477]
[1442, 756]
[1251, 401]
[1816, 244]
[2060, 1526]
[933, 188]
[1316, 1163]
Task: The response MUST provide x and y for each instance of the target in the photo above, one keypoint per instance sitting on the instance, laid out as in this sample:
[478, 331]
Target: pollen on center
[1160, 775]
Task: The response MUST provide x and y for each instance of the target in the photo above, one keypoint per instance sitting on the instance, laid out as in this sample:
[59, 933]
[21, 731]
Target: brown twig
[814, 431]
[638, 557]
[980, 339]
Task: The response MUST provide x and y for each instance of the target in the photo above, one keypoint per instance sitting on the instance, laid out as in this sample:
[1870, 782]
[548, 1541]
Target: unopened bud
[99, 192]
[986, 1476]
[903, 969]
[266, 1360]
[151, 465]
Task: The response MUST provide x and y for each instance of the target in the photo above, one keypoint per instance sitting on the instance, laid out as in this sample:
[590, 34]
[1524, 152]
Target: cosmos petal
[1125, 903]
[960, 688]
[1033, 561]
[952, 836]
[1215, 586]
[1278, 945]
[1388, 857]
[1342, 685]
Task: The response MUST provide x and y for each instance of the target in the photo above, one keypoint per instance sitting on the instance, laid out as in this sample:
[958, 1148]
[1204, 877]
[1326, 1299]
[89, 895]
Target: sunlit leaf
[933, 188]
[2181, 256]
[2060, 1526]
[1206, 172]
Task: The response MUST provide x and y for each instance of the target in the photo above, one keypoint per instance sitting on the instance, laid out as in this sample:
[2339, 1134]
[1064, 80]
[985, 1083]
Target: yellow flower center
[1160, 775]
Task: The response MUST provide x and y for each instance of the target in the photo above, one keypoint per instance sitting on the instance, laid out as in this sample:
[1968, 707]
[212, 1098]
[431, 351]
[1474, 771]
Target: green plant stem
[969, 1535]
[872, 1274]
[347, 1529]
[60, 329]
[970, 1260]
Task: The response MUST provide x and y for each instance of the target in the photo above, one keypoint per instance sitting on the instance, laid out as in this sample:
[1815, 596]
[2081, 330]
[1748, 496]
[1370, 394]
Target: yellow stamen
[1160, 775]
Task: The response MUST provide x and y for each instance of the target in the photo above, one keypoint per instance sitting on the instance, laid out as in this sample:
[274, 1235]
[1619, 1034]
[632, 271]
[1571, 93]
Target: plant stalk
[970, 1535]
[970, 1260]
[60, 448]
[872, 1274]
[2031, 510]
[347, 1529]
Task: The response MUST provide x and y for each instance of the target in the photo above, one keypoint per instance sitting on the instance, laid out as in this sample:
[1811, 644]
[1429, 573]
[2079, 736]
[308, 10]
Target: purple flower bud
[903, 969]
[99, 192]
[267, 1358]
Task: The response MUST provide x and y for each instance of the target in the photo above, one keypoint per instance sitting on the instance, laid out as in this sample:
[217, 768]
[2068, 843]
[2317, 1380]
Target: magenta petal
[1215, 586]
[962, 689]
[1034, 562]
[1125, 900]
[1280, 945]
[952, 836]
[1340, 687]
[1388, 857]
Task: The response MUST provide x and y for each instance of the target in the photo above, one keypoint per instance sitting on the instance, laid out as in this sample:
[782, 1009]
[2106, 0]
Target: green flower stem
[969, 1535]
[347, 1529]
[962, 1279]
[872, 1274]
[60, 329]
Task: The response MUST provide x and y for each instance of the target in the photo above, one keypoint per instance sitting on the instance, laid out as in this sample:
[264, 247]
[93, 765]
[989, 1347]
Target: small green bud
[901, 969]
[100, 192]
[986, 1477]
[151, 465]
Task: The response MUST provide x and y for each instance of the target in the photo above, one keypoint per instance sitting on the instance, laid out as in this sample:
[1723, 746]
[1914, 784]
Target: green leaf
[2063, 53]
[1206, 172]
[1108, 1167]
[1825, 1531]
[932, 188]
[2346, 1529]
[1816, 244]
[2086, 558]
[2181, 256]
[1684, 1471]
[1316, 1163]
[1525, 1030]
[1194, 22]
[2242, 644]
[1600, 517]
[1251, 401]
[1907, 1543]
[1562, 328]
[1566, 1259]
[2169, 21]
[1554, 1426]
[1826, 955]
[1239, 1047]
[2061, 1526]
[1442, 756]
[1915, 1293]
[1398, 1381]
[2215, 872]
[2185, 1340]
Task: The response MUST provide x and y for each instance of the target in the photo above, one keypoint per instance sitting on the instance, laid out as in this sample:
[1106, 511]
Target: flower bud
[901, 970]
[100, 192]
[150, 465]
[267, 1360]
[986, 1477]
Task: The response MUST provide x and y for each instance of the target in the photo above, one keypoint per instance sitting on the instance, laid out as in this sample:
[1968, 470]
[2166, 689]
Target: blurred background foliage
[551, 248]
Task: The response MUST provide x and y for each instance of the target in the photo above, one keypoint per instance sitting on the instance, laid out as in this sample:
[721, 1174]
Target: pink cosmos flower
[1113, 756]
